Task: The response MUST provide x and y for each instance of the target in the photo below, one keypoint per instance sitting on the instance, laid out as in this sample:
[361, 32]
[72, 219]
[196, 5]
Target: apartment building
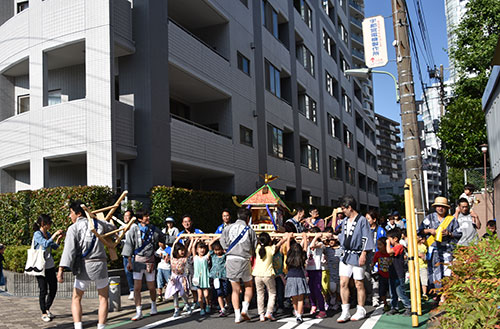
[390, 155]
[203, 94]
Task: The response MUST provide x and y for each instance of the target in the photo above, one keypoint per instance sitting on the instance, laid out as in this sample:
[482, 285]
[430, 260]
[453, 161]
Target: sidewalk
[24, 312]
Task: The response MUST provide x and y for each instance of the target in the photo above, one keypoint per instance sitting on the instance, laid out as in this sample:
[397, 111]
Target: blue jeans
[129, 275]
[162, 277]
[280, 292]
[398, 290]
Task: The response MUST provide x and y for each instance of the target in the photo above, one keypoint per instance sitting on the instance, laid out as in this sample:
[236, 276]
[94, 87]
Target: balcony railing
[197, 38]
[356, 6]
[357, 37]
[200, 126]
[356, 22]
[358, 54]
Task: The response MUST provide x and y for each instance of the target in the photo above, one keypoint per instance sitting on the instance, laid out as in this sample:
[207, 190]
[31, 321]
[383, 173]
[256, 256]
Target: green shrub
[473, 291]
[20, 210]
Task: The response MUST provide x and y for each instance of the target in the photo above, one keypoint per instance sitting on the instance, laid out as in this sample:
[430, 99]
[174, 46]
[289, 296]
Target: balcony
[358, 38]
[122, 27]
[199, 144]
[123, 122]
[358, 54]
[357, 23]
[360, 10]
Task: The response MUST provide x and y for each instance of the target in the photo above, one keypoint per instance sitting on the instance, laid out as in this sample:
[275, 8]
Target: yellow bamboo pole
[413, 228]
[411, 253]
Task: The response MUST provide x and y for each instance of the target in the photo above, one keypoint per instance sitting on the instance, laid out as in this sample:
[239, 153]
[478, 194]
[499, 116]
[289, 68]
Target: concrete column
[101, 160]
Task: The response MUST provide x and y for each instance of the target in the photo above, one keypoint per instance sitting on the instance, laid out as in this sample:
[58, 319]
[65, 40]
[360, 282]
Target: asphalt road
[164, 319]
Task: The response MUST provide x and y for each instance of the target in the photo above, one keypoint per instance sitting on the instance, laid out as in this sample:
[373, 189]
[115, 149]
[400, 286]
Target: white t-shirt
[315, 259]
[163, 265]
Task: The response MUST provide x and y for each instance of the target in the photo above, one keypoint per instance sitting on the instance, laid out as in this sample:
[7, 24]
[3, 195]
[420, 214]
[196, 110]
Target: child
[279, 272]
[383, 260]
[218, 275]
[491, 229]
[164, 270]
[397, 271]
[296, 285]
[2, 260]
[314, 273]
[331, 288]
[179, 283]
[422, 264]
[201, 278]
[264, 275]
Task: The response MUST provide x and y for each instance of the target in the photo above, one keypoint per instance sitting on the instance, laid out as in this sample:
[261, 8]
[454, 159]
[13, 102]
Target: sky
[383, 86]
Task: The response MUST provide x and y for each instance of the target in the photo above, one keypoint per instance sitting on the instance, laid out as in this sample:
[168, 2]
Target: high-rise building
[389, 158]
[203, 94]
[431, 109]
[455, 11]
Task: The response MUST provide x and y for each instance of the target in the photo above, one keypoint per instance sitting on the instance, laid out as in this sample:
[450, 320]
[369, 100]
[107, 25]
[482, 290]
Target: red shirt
[384, 261]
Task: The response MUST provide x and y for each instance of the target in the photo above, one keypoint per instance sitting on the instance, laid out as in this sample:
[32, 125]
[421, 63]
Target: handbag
[35, 262]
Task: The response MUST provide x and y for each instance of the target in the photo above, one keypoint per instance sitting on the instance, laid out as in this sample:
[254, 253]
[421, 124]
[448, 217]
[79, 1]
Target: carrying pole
[411, 252]
[412, 226]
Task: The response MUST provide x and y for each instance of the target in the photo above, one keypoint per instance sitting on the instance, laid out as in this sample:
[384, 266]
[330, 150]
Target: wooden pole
[411, 253]
[413, 229]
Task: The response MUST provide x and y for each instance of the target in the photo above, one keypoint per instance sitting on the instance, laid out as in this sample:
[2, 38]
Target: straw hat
[441, 201]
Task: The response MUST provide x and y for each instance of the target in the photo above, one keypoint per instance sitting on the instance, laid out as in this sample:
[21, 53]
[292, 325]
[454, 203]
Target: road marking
[291, 323]
[170, 319]
[373, 319]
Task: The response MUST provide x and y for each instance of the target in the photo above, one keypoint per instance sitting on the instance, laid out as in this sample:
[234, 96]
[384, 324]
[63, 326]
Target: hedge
[20, 210]
[204, 207]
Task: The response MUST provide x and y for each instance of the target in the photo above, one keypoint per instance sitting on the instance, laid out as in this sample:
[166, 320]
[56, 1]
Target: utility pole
[413, 156]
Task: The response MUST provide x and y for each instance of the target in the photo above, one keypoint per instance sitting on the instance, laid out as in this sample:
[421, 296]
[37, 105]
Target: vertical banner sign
[374, 41]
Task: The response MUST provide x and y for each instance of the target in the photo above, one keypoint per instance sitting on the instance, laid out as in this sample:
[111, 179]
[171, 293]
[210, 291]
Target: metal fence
[475, 176]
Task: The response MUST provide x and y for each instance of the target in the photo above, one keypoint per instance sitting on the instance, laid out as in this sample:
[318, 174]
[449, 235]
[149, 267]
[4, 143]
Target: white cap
[169, 219]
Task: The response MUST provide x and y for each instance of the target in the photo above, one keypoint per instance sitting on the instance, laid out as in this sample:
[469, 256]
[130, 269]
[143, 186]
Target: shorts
[383, 286]
[150, 277]
[238, 268]
[84, 284]
[424, 278]
[223, 290]
[357, 272]
[162, 277]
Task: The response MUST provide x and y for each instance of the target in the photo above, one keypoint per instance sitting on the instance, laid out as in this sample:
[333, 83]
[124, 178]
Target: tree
[463, 128]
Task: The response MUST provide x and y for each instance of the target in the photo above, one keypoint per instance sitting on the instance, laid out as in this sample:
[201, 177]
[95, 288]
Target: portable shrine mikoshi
[267, 208]
[107, 238]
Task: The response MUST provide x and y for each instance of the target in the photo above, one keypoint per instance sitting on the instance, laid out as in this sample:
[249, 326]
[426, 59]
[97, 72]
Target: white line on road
[291, 323]
[373, 319]
[170, 319]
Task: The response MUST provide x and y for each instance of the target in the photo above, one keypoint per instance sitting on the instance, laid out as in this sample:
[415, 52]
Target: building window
[22, 5]
[371, 160]
[335, 168]
[309, 156]
[307, 107]
[275, 139]
[348, 138]
[361, 151]
[372, 186]
[350, 173]
[306, 58]
[344, 35]
[23, 103]
[305, 11]
[333, 126]
[331, 85]
[54, 97]
[346, 102]
[270, 18]
[362, 181]
[329, 45]
[328, 8]
[243, 63]
[273, 79]
[246, 136]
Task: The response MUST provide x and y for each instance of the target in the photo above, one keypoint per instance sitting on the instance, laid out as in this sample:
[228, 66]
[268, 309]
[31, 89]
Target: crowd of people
[317, 265]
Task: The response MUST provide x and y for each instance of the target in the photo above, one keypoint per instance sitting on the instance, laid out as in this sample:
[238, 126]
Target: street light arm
[393, 78]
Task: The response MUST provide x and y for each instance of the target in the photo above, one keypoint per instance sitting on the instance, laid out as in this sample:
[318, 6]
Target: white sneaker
[237, 318]
[50, 315]
[360, 314]
[137, 317]
[131, 295]
[345, 316]
[45, 318]
[154, 311]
